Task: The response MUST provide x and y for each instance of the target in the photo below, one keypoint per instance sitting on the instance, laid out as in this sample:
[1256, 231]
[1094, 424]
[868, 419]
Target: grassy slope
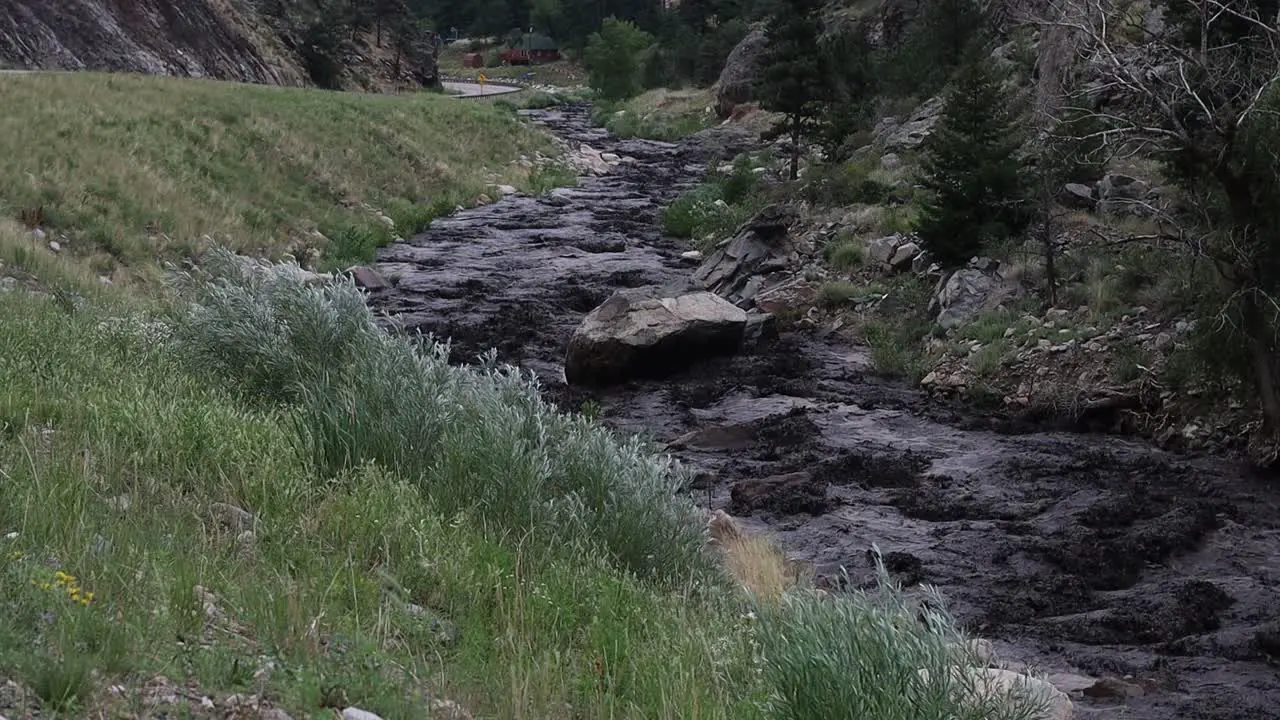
[136, 167]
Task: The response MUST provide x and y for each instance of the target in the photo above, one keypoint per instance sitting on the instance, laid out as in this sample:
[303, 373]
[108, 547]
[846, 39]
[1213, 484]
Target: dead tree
[1201, 96]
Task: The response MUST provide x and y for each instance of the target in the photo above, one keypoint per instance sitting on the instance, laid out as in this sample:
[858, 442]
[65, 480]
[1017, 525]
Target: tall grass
[473, 437]
[874, 655]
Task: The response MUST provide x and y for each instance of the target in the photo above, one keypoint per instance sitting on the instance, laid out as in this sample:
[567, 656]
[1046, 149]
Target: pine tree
[971, 168]
[792, 82]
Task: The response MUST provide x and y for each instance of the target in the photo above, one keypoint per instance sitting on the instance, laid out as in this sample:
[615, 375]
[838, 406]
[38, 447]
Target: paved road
[468, 90]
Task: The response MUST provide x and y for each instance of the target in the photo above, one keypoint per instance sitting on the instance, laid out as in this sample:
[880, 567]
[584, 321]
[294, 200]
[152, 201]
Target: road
[469, 90]
[459, 89]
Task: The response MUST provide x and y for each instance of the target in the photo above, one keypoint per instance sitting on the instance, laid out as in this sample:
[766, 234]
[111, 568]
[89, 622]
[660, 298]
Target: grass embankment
[134, 168]
[561, 73]
[660, 114]
[253, 490]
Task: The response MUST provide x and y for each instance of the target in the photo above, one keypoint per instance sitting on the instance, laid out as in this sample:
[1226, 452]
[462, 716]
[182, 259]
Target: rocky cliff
[196, 38]
[221, 39]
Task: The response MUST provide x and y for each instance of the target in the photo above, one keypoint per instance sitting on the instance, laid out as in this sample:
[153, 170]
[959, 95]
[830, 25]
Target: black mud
[1073, 553]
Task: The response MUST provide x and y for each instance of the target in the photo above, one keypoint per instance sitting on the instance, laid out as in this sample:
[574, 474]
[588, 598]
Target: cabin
[531, 48]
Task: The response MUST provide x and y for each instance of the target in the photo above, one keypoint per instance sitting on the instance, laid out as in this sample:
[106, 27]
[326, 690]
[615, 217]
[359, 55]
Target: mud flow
[1073, 553]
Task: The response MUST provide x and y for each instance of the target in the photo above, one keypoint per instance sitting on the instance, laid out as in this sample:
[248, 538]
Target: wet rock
[626, 338]
[368, 278]
[977, 686]
[792, 494]
[1075, 195]
[737, 82]
[761, 247]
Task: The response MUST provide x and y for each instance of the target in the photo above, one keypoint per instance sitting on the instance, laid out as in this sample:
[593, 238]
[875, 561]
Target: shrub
[477, 437]
[845, 254]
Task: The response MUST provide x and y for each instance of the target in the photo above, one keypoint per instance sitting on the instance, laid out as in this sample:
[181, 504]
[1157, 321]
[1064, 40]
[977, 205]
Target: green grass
[139, 167]
[715, 209]
[660, 114]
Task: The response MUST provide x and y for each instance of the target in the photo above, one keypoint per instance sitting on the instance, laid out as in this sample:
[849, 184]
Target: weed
[838, 293]
[845, 254]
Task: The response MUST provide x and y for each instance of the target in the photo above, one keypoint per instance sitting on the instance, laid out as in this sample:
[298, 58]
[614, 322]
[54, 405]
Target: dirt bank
[1074, 553]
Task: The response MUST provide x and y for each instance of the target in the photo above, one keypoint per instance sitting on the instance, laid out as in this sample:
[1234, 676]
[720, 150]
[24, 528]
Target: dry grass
[754, 562]
[139, 167]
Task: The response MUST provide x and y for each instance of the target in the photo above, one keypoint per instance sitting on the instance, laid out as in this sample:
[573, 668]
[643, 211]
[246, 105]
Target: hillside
[166, 167]
[223, 39]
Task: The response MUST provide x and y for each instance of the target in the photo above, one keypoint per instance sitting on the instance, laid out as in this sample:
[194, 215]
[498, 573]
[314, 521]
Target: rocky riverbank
[1086, 557]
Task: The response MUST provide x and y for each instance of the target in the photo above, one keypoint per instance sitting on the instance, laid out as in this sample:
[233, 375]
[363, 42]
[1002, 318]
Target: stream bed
[1074, 553]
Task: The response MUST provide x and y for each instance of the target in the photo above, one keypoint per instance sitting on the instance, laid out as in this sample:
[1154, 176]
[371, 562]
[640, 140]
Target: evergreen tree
[971, 167]
[792, 81]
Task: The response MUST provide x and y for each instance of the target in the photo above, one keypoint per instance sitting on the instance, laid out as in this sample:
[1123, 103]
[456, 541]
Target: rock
[976, 685]
[483, 199]
[368, 278]
[890, 161]
[894, 136]
[38, 234]
[759, 248]
[354, 713]
[1119, 193]
[506, 189]
[611, 158]
[692, 256]
[234, 517]
[274, 714]
[966, 293]
[626, 338]
[881, 250]
[1075, 195]
[737, 82]
[448, 710]
[904, 256]
[55, 246]
[760, 329]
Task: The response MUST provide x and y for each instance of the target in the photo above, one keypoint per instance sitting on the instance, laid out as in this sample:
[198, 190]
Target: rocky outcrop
[220, 39]
[736, 84]
[893, 134]
[194, 38]
[740, 269]
[967, 292]
[628, 338]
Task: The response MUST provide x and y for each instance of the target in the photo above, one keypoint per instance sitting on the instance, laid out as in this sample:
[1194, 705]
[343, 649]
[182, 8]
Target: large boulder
[739, 269]
[628, 338]
[737, 82]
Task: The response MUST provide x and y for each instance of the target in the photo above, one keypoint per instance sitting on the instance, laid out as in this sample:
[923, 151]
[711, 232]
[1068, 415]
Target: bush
[471, 437]
[613, 59]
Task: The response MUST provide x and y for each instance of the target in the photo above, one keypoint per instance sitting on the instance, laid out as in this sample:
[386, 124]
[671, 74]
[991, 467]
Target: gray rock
[762, 246]
[760, 329]
[368, 278]
[1075, 195]
[55, 246]
[1119, 193]
[890, 161]
[893, 135]
[881, 250]
[737, 82]
[232, 516]
[965, 293]
[904, 256]
[692, 256]
[627, 338]
[354, 713]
